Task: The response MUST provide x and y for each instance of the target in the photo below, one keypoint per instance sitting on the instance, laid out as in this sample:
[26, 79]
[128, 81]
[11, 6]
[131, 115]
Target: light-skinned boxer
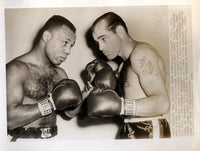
[141, 97]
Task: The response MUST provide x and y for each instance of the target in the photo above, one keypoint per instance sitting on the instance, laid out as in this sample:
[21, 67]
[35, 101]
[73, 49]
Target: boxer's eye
[65, 43]
[102, 40]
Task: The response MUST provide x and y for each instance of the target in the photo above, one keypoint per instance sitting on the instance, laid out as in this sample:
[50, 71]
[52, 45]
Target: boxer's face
[108, 41]
[59, 44]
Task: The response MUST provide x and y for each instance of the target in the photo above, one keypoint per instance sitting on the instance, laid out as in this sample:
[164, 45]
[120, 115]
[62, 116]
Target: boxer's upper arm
[15, 76]
[145, 63]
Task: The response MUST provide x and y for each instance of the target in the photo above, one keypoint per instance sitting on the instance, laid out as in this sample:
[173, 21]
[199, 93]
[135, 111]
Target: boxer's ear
[120, 30]
[46, 36]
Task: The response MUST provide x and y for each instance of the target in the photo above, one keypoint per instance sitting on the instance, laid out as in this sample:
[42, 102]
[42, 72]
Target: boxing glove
[105, 78]
[72, 111]
[101, 74]
[100, 65]
[66, 93]
[103, 103]
[90, 70]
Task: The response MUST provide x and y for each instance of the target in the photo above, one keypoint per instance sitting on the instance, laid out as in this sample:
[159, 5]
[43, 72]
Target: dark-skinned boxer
[37, 86]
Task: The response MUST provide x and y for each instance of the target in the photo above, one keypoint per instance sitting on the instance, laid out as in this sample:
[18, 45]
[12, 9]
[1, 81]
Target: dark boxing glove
[103, 103]
[90, 70]
[101, 74]
[105, 78]
[65, 94]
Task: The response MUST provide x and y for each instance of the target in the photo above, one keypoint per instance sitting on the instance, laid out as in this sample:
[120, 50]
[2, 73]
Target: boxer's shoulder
[143, 49]
[17, 63]
[143, 57]
[17, 68]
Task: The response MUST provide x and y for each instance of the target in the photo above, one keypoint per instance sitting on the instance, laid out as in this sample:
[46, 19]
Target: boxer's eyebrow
[68, 39]
[101, 36]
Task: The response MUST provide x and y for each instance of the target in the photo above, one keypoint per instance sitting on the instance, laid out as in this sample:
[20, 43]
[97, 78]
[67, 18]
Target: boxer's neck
[39, 58]
[127, 47]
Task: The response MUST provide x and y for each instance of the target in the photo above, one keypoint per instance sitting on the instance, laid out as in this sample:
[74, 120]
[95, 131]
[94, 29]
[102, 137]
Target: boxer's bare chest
[130, 82]
[40, 81]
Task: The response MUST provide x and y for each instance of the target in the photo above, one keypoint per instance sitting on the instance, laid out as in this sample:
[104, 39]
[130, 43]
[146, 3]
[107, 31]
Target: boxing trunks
[39, 132]
[155, 127]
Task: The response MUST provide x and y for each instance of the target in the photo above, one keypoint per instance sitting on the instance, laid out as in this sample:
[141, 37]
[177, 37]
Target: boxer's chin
[110, 57]
[58, 62]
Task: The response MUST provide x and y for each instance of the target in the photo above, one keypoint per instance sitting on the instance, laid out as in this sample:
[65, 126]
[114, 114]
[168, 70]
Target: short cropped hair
[52, 23]
[112, 19]
[57, 21]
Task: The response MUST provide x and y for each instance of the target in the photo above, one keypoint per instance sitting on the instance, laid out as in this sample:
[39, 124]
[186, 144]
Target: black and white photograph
[120, 74]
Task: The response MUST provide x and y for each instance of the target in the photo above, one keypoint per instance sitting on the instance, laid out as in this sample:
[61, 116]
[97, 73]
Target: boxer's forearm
[152, 106]
[20, 115]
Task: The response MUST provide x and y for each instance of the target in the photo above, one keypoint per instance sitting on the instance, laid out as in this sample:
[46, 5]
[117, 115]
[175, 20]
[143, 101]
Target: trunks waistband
[136, 119]
[154, 120]
[33, 132]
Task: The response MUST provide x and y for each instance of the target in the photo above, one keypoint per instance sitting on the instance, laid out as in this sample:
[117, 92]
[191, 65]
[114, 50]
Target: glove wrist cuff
[46, 106]
[128, 107]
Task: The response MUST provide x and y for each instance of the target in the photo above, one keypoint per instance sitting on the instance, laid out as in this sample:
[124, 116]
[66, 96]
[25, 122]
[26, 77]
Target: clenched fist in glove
[103, 103]
[107, 103]
[65, 94]
[101, 74]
